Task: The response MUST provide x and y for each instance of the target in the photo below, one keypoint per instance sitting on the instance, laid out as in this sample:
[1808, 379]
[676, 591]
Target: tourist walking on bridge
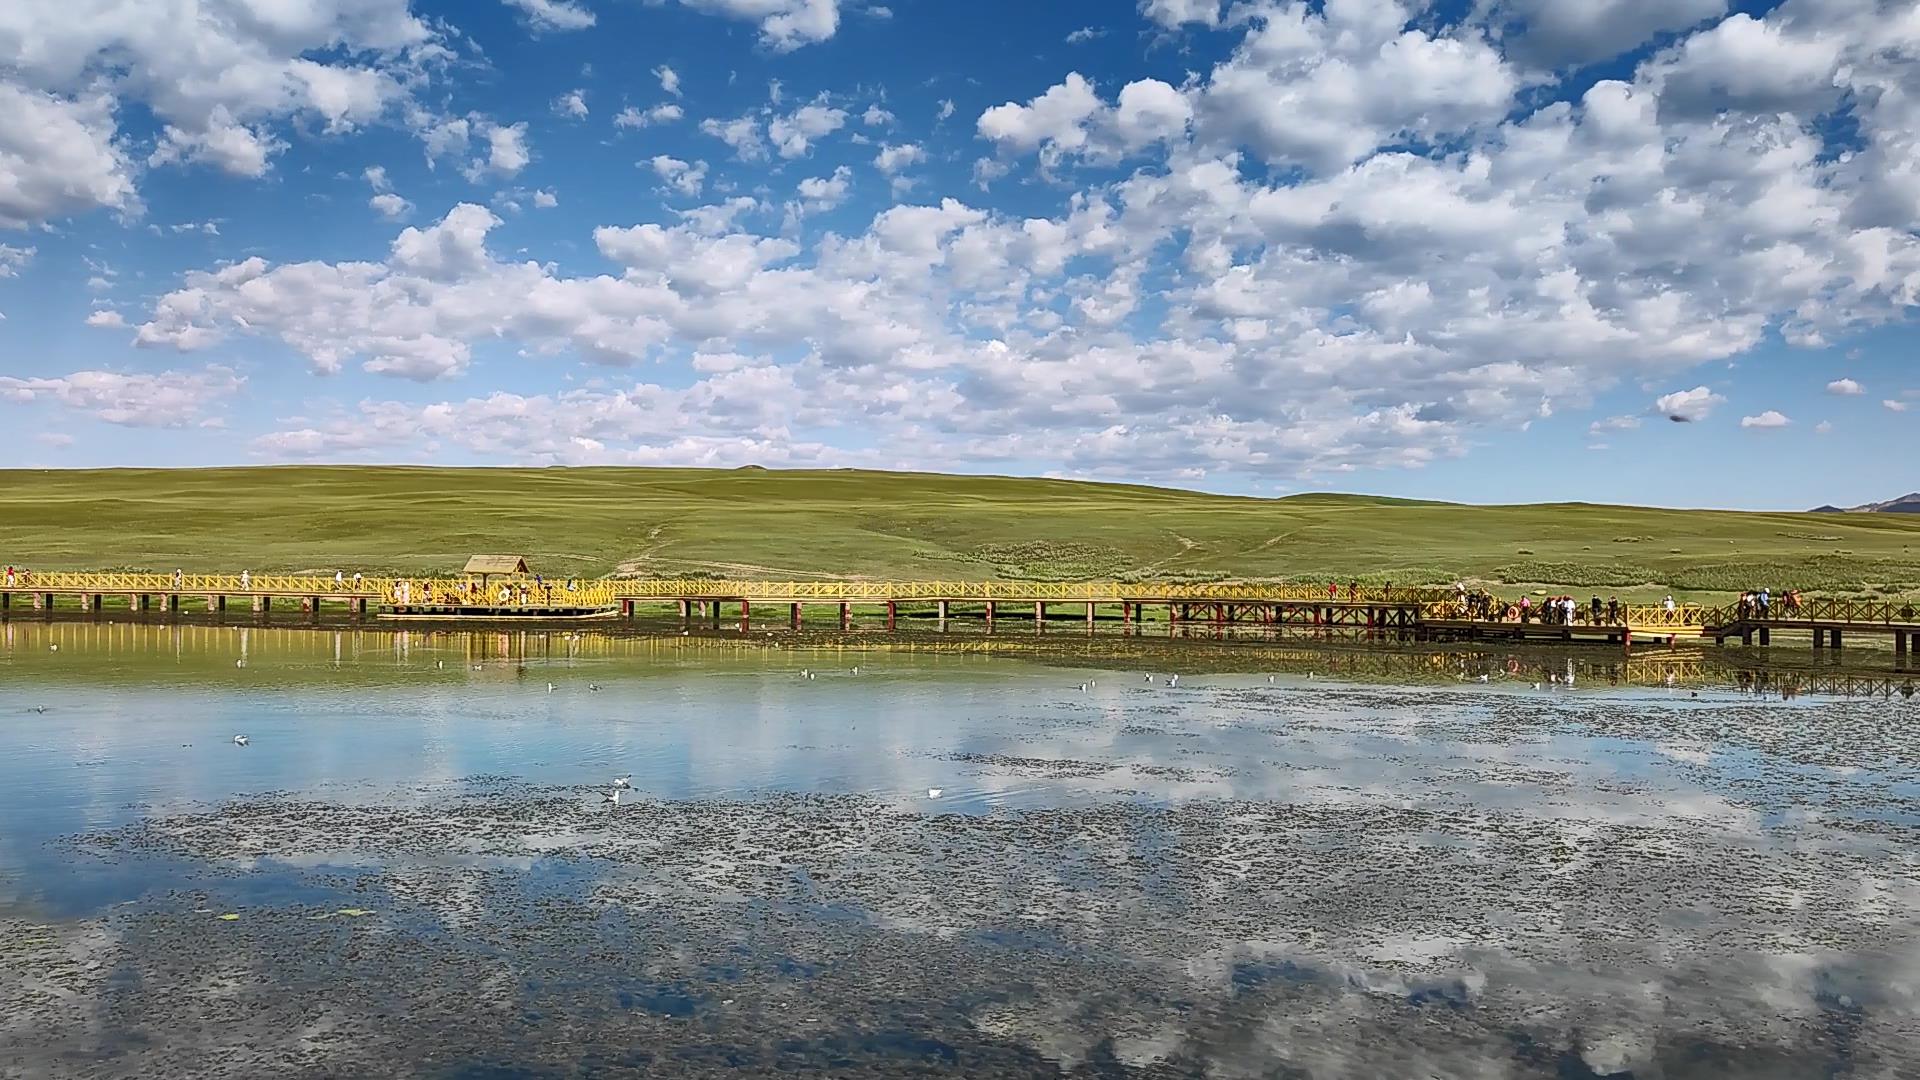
[246, 580]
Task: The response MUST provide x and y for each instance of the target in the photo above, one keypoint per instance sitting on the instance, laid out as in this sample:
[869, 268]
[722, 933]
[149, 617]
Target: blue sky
[1484, 250]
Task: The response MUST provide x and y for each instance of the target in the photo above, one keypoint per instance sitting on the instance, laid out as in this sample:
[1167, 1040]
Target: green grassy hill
[826, 524]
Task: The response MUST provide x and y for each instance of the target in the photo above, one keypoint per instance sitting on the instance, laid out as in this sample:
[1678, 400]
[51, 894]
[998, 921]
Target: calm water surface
[1270, 873]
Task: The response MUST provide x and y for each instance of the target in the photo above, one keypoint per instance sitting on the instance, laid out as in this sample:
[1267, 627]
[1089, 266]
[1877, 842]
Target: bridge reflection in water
[324, 656]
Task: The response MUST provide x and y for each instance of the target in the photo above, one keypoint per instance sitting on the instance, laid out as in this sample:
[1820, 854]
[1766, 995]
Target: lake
[930, 859]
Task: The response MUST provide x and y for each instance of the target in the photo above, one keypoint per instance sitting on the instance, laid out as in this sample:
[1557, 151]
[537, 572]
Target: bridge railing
[1637, 616]
[1091, 591]
[192, 584]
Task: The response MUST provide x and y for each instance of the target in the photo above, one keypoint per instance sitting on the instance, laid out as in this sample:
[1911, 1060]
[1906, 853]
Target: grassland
[846, 524]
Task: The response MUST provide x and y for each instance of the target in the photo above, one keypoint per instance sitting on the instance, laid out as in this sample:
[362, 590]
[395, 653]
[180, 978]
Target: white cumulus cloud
[1772, 418]
[169, 399]
[1687, 406]
[554, 14]
[784, 25]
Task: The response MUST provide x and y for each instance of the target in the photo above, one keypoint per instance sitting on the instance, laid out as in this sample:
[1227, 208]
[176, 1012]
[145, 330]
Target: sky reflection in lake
[1358, 851]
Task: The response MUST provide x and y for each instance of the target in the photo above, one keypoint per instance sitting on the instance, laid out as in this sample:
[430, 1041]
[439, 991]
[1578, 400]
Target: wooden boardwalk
[1423, 612]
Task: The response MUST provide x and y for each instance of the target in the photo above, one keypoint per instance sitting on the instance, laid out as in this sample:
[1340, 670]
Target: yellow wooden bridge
[1429, 612]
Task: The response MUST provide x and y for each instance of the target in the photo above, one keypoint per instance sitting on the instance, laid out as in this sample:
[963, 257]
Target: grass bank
[838, 524]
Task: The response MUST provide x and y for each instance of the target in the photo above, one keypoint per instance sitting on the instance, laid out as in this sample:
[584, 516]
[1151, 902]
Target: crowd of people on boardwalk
[1482, 606]
[1758, 604]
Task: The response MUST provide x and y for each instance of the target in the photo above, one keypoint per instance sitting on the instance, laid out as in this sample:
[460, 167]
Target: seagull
[549, 688]
[805, 674]
[593, 688]
[611, 797]
[478, 667]
[1173, 680]
[856, 669]
[810, 676]
[1536, 686]
[623, 781]
[439, 663]
[1483, 678]
[37, 708]
[53, 648]
[1269, 678]
[242, 662]
[1083, 688]
[933, 793]
[240, 740]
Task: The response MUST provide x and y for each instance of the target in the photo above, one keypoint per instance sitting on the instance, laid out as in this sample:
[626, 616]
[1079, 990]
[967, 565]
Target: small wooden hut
[486, 566]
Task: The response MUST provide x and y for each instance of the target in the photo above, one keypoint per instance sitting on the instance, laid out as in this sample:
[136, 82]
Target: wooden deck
[1422, 612]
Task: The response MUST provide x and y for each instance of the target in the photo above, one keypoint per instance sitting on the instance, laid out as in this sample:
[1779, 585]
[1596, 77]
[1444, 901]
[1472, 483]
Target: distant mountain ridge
[1905, 504]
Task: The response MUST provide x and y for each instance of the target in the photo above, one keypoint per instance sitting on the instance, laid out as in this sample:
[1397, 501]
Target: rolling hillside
[757, 523]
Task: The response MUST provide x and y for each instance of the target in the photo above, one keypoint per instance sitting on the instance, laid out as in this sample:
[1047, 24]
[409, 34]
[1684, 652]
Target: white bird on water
[549, 688]
[1173, 680]
[623, 781]
[240, 740]
[593, 688]
[611, 797]
[1083, 688]
[933, 793]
